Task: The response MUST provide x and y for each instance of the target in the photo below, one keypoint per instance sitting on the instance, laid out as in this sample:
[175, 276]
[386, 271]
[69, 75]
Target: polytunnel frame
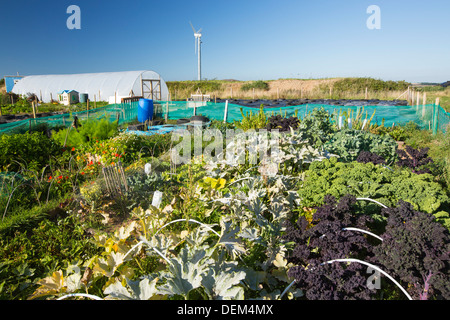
[98, 86]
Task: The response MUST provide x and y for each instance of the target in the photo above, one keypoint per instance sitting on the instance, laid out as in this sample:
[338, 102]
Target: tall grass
[346, 88]
[438, 92]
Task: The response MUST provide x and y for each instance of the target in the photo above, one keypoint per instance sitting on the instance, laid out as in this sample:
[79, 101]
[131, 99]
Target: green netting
[442, 121]
[425, 116]
[124, 112]
[429, 116]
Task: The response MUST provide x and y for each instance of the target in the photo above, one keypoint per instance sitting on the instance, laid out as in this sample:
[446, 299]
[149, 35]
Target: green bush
[32, 150]
[257, 85]
[90, 130]
[348, 143]
[252, 120]
[192, 86]
[360, 85]
[130, 147]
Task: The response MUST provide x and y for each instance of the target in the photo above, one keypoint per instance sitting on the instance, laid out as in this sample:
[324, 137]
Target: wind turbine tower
[198, 44]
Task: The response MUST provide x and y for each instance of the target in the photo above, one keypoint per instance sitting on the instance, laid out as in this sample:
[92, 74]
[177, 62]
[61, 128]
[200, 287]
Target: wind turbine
[198, 44]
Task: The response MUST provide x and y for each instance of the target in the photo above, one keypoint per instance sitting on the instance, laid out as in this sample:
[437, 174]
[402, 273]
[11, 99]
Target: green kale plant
[366, 180]
[348, 143]
[316, 127]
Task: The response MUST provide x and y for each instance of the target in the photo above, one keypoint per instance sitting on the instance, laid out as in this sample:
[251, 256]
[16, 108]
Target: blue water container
[145, 110]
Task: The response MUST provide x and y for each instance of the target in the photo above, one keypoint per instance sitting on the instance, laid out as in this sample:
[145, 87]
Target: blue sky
[243, 40]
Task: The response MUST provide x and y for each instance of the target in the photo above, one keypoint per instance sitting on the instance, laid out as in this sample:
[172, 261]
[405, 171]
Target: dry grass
[278, 89]
[287, 89]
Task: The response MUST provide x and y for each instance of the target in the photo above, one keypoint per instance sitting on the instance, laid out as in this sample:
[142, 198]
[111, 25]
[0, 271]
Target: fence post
[436, 116]
[34, 109]
[407, 95]
[418, 100]
[167, 111]
[424, 104]
[226, 112]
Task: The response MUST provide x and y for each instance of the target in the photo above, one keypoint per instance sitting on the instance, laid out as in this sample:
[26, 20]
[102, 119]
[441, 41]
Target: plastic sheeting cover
[106, 84]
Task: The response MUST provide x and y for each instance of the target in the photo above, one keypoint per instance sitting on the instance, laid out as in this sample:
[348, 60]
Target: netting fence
[431, 117]
[125, 112]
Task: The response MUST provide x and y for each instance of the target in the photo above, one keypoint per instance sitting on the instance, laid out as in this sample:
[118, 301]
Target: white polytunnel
[106, 86]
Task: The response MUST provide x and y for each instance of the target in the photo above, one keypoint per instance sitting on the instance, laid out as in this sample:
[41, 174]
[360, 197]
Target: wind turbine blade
[199, 30]
[192, 27]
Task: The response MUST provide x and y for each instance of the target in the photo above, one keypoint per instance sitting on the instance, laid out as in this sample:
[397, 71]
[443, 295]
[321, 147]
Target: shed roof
[67, 91]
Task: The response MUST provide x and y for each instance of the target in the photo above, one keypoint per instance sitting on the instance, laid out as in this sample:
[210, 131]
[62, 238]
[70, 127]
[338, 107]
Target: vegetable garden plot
[282, 225]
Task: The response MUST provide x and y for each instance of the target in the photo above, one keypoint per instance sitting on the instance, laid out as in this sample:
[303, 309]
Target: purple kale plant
[415, 159]
[332, 281]
[282, 124]
[323, 240]
[415, 250]
[367, 156]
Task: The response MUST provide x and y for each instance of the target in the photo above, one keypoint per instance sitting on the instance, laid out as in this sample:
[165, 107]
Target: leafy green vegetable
[371, 181]
[348, 143]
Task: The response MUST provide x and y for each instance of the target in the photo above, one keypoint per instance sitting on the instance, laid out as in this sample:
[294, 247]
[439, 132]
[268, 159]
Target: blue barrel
[145, 110]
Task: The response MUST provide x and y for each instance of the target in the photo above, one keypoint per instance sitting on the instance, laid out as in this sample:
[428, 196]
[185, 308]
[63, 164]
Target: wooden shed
[68, 97]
